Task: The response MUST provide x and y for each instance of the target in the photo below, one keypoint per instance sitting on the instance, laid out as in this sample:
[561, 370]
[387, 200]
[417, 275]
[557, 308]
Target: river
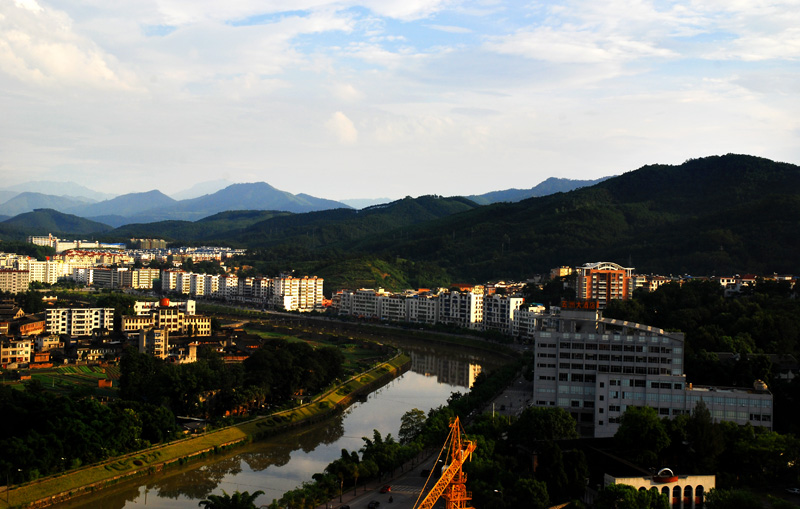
[282, 463]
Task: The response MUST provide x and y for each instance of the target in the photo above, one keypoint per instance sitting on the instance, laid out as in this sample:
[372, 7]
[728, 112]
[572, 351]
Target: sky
[388, 98]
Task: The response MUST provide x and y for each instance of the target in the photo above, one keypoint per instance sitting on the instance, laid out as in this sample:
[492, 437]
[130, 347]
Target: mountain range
[188, 205]
[715, 215]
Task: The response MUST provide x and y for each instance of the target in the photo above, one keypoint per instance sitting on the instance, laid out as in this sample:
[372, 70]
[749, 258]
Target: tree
[244, 500]
[623, 496]
[732, 499]
[704, 438]
[543, 424]
[531, 493]
[642, 435]
[411, 425]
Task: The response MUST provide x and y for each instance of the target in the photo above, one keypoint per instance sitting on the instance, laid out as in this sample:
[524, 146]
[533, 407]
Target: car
[386, 489]
[793, 491]
[373, 505]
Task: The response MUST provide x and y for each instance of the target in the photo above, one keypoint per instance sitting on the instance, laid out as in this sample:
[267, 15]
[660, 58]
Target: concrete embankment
[61, 487]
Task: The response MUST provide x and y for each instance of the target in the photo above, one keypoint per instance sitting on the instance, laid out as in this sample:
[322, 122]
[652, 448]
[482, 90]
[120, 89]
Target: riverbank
[47, 491]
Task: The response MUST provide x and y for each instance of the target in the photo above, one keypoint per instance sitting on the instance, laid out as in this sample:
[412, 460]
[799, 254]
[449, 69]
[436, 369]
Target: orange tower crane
[451, 485]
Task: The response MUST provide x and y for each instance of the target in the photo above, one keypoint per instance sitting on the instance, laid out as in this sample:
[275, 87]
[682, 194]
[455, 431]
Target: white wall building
[596, 367]
[79, 321]
[498, 312]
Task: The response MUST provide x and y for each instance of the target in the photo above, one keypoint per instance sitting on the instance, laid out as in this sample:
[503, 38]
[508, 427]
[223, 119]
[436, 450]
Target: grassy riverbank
[83, 480]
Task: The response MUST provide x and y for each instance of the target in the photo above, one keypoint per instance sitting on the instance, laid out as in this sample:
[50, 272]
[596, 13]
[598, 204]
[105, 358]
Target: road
[406, 488]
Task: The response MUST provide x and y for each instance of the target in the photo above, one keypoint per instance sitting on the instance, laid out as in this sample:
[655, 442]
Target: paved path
[406, 487]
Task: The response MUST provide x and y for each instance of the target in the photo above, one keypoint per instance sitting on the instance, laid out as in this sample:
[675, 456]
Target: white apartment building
[228, 286]
[14, 281]
[595, 368]
[154, 342]
[212, 285]
[15, 351]
[164, 315]
[498, 312]
[197, 284]
[245, 288]
[138, 278]
[183, 283]
[422, 308]
[169, 280]
[526, 320]
[261, 288]
[296, 294]
[48, 271]
[79, 321]
[462, 309]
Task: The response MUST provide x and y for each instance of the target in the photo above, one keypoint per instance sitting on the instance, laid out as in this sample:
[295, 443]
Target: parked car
[793, 491]
[386, 489]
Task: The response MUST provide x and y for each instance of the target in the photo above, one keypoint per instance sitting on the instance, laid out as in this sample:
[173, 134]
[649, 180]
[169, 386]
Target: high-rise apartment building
[604, 282]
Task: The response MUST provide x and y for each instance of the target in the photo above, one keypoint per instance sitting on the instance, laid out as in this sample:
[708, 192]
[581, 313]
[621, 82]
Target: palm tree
[238, 500]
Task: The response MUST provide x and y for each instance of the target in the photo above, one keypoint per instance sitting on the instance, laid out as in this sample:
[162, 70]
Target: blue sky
[360, 99]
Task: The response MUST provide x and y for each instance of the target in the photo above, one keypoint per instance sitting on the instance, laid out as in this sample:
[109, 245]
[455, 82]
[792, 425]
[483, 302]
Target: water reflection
[447, 370]
[286, 461]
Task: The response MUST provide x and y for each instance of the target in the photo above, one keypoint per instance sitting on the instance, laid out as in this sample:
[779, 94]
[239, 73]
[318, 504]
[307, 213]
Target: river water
[282, 463]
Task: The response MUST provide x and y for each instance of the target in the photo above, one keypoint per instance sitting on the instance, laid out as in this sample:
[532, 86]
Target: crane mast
[451, 485]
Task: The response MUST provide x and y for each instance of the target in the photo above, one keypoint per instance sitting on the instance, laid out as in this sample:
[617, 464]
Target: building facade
[14, 281]
[595, 368]
[603, 282]
[79, 321]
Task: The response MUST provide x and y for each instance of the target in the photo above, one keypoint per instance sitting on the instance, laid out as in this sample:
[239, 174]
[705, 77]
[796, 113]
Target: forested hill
[343, 227]
[720, 215]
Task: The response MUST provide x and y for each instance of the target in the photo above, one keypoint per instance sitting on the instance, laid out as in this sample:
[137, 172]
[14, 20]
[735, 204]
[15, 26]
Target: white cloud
[346, 92]
[38, 46]
[574, 46]
[343, 128]
[451, 29]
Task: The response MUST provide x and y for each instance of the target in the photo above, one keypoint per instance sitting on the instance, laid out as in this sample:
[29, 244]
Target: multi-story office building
[603, 282]
[595, 368]
[79, 321]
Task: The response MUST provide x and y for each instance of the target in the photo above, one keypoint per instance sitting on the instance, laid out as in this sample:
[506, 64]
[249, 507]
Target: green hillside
[223, 224]
[44, 221]
[340, 228]
[716, 215]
